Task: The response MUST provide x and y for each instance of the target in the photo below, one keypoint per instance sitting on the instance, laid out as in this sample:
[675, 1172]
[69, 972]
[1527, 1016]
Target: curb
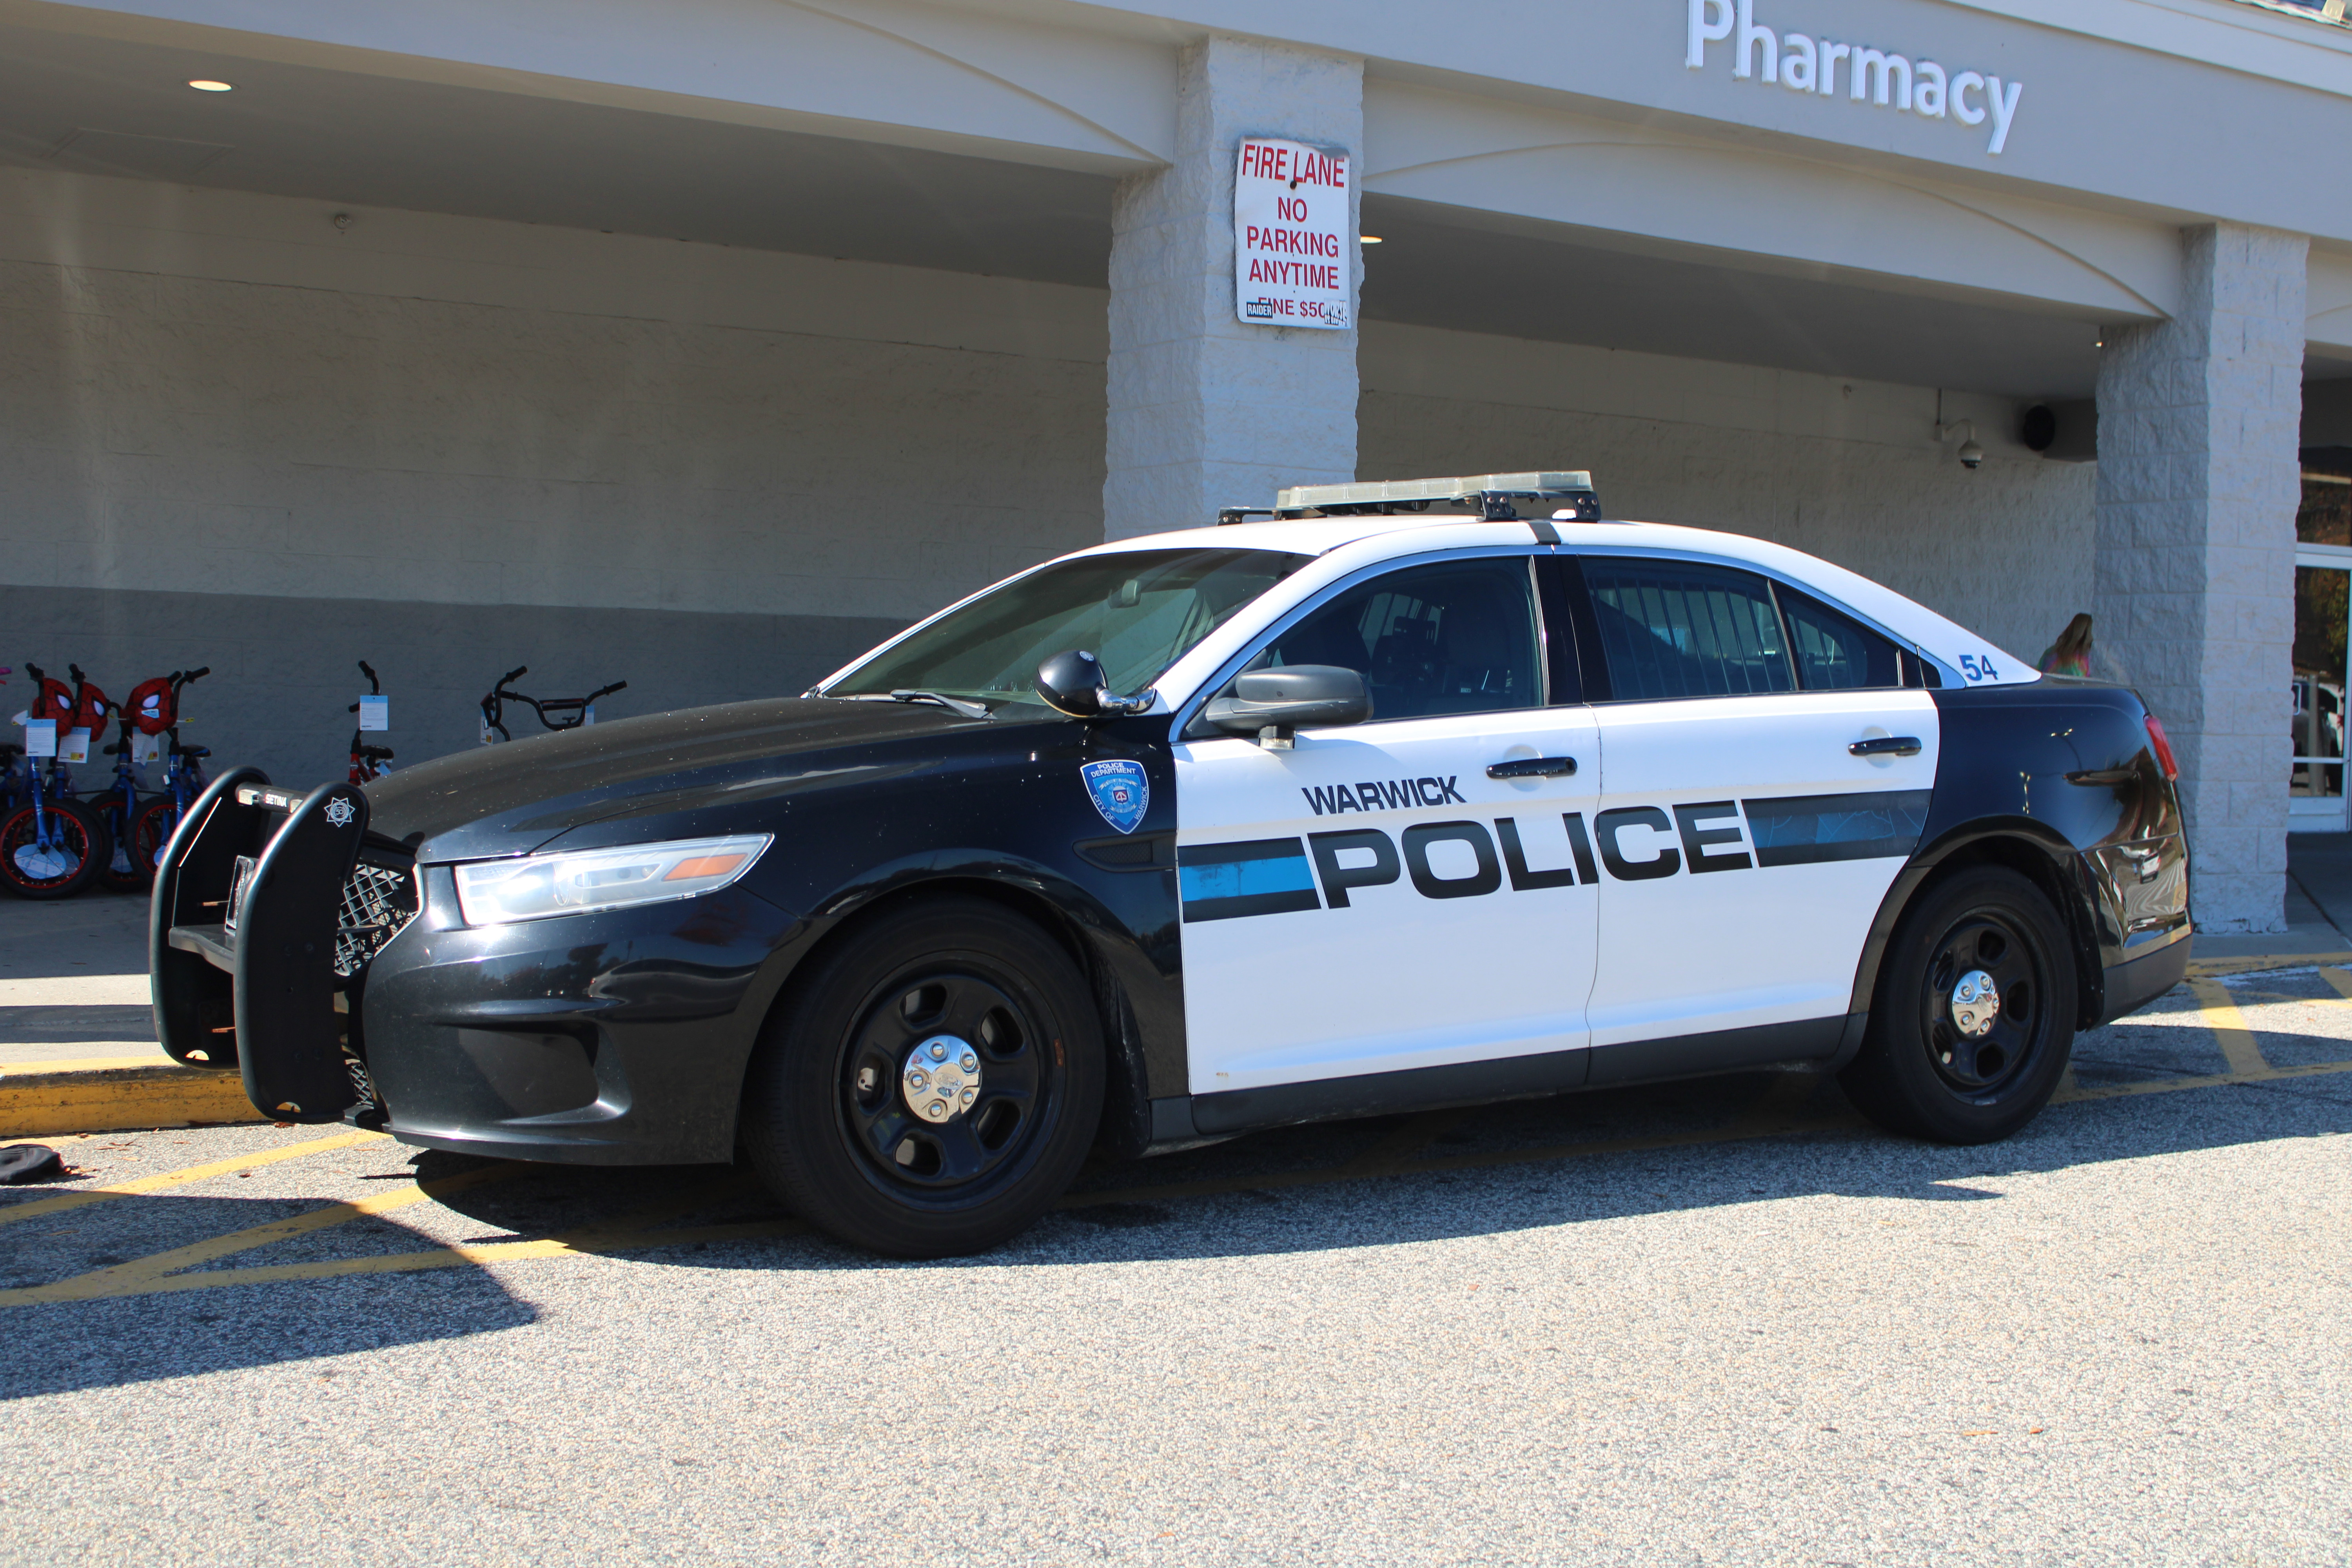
[41, 1098]
[2210, 968]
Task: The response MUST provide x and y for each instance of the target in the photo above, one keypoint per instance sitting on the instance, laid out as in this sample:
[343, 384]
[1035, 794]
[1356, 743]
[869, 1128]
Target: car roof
[1366, 540]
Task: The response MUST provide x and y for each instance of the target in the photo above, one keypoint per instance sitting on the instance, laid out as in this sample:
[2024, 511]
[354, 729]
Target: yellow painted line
[140, 1276]
[41, 1101]
[188, 1176]
[2231, 1031]
[626, 1231]
[2212, 1080]
[2341, 980]
[2206, 968]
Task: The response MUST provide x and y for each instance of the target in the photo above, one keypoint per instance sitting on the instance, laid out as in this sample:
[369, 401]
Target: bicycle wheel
[130, 865]
[62, 866]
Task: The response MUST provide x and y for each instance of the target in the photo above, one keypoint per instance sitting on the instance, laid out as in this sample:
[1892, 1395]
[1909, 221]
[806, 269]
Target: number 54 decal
[1978, 669]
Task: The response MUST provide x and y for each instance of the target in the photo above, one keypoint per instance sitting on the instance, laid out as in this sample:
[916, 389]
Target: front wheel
[1974, 1019]
[932, 1084]
[55, 857]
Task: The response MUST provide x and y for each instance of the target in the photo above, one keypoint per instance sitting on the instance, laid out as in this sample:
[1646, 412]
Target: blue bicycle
[51, 846]
[154, 709]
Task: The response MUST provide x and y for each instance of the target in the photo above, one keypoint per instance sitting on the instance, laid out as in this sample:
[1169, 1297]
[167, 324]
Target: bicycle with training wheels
[558, 713]
[139, 823]
[51, 846]
[367, 762]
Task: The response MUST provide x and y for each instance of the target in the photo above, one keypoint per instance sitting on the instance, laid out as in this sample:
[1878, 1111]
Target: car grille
[377, 902]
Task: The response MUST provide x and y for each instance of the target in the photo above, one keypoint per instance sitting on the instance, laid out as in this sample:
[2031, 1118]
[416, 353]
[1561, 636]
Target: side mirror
[1072, 682]
[1272, 704]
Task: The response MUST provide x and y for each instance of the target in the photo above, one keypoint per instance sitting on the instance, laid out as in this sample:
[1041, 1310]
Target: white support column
[1206, 411]
[2197, 490]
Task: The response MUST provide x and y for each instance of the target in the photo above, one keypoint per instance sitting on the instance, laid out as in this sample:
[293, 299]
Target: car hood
[511, 799]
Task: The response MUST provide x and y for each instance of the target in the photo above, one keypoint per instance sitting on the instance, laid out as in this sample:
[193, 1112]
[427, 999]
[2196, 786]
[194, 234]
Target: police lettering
[1637, 844]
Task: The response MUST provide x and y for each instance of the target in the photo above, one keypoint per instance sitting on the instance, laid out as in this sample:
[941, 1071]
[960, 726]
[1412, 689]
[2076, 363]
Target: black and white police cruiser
[1391, 796]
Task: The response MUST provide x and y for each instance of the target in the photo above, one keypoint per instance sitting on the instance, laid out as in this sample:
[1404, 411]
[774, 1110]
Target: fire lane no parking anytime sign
[1293, 262]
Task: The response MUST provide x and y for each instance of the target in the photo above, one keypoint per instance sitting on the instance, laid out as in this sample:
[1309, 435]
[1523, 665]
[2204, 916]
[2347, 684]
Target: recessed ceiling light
[203, 84]
[1367, 240]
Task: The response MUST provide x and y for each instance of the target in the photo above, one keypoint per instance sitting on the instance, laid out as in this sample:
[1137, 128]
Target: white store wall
[232, 433]
[1848, 469]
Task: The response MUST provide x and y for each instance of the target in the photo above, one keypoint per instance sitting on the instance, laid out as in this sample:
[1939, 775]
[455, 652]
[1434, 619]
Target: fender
[2061, 873]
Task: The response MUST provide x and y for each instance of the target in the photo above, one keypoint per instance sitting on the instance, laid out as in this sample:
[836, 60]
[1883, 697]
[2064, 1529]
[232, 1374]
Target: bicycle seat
[376, 751]
[112, 750]
[194, 750]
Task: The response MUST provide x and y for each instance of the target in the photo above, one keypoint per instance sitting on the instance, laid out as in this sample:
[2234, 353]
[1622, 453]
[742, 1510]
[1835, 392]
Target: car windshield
[1137, 611]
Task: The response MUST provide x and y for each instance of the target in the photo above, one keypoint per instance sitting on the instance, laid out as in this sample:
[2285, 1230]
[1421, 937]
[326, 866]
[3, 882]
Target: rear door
[1766, 772]
[1372, 901]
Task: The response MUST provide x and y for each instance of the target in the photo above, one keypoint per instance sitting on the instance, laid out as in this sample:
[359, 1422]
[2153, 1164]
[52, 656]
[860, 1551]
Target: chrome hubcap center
[941, 1079]
[1976, 1003]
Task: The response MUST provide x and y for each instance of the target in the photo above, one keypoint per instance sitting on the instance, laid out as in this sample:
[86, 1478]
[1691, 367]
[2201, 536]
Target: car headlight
[533, 887]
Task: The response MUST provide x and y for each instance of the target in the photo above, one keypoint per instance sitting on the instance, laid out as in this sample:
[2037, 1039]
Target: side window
[1455, 638]
[1670, 629]
[1834, 653]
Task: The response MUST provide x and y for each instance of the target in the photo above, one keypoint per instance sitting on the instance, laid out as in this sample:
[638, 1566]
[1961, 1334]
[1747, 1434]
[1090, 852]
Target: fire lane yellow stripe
[181, 1178]
[2231, 1031]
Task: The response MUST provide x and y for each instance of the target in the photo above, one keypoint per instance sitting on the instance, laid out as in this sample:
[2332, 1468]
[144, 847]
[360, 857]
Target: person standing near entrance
[2071, 654]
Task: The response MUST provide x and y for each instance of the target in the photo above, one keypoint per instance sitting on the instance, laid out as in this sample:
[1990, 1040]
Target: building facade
[702, 344]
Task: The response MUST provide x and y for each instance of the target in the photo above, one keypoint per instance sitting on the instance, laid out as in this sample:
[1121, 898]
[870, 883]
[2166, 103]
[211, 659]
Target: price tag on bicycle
[376, 712]
[146, 748]
[73, 746]
[40, 737]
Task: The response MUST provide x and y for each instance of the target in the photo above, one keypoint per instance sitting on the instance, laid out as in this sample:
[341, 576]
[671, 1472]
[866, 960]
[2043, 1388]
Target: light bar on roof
[1303, 498]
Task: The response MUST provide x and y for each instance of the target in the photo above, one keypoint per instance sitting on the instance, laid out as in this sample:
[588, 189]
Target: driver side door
[1373, 902]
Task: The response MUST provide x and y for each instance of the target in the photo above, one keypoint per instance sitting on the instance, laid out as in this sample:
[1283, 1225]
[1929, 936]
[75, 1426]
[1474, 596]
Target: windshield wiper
[968, 710]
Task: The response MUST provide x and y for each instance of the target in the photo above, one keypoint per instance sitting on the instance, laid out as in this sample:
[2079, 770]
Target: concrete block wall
[1849, 470]
[231, 436]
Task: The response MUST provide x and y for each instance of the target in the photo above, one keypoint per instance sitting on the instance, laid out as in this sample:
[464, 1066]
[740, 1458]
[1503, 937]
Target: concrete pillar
[1206, 411]
[2195, 600]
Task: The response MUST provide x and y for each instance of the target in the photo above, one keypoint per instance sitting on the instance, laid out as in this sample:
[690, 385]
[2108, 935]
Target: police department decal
[340, 812]
[1119, 792]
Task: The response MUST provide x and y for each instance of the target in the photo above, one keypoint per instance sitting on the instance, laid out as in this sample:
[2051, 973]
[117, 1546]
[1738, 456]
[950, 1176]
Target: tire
[837, 1134]
[79, 849]
[138, 872]
[1920, 1072]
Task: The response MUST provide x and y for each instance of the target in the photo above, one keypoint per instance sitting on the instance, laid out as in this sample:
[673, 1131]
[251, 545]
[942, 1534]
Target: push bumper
[608, 1039]
[264, 916]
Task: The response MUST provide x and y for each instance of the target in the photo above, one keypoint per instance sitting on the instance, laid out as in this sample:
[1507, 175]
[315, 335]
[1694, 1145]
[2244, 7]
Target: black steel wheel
[56, 858]
[932, 1085]
[1973, 1022]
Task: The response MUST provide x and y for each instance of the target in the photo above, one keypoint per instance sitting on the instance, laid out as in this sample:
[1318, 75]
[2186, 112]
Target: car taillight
[2163, 747]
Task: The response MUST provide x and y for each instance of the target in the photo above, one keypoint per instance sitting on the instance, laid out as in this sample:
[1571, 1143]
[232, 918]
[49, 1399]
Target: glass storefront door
[2322, 615]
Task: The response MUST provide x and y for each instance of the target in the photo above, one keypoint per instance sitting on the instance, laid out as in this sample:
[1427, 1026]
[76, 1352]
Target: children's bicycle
[367, 762]
[557, 714]
[51, 846]
[141, 827]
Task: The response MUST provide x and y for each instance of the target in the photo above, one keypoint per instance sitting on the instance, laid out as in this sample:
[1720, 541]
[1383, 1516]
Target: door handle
[1887, 747]
[1544, 767]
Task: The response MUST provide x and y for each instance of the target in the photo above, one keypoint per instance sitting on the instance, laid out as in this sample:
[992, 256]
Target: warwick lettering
[1804, 64]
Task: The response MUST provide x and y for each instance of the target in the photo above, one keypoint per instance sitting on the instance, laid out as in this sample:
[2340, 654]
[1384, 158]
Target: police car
[1390, 797]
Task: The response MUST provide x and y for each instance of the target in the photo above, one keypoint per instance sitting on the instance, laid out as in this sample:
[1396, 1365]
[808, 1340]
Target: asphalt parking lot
[1714, 1323]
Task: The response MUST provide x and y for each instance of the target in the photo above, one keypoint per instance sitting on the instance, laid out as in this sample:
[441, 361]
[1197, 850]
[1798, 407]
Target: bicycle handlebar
[509, 675]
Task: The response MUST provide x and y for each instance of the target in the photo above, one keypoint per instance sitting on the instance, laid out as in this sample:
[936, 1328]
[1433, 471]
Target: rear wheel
[54, 857]
[932, 1084]
[1974, 1019]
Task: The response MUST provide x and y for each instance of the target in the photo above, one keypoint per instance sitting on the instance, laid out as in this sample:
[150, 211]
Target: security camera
[1972, 456]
